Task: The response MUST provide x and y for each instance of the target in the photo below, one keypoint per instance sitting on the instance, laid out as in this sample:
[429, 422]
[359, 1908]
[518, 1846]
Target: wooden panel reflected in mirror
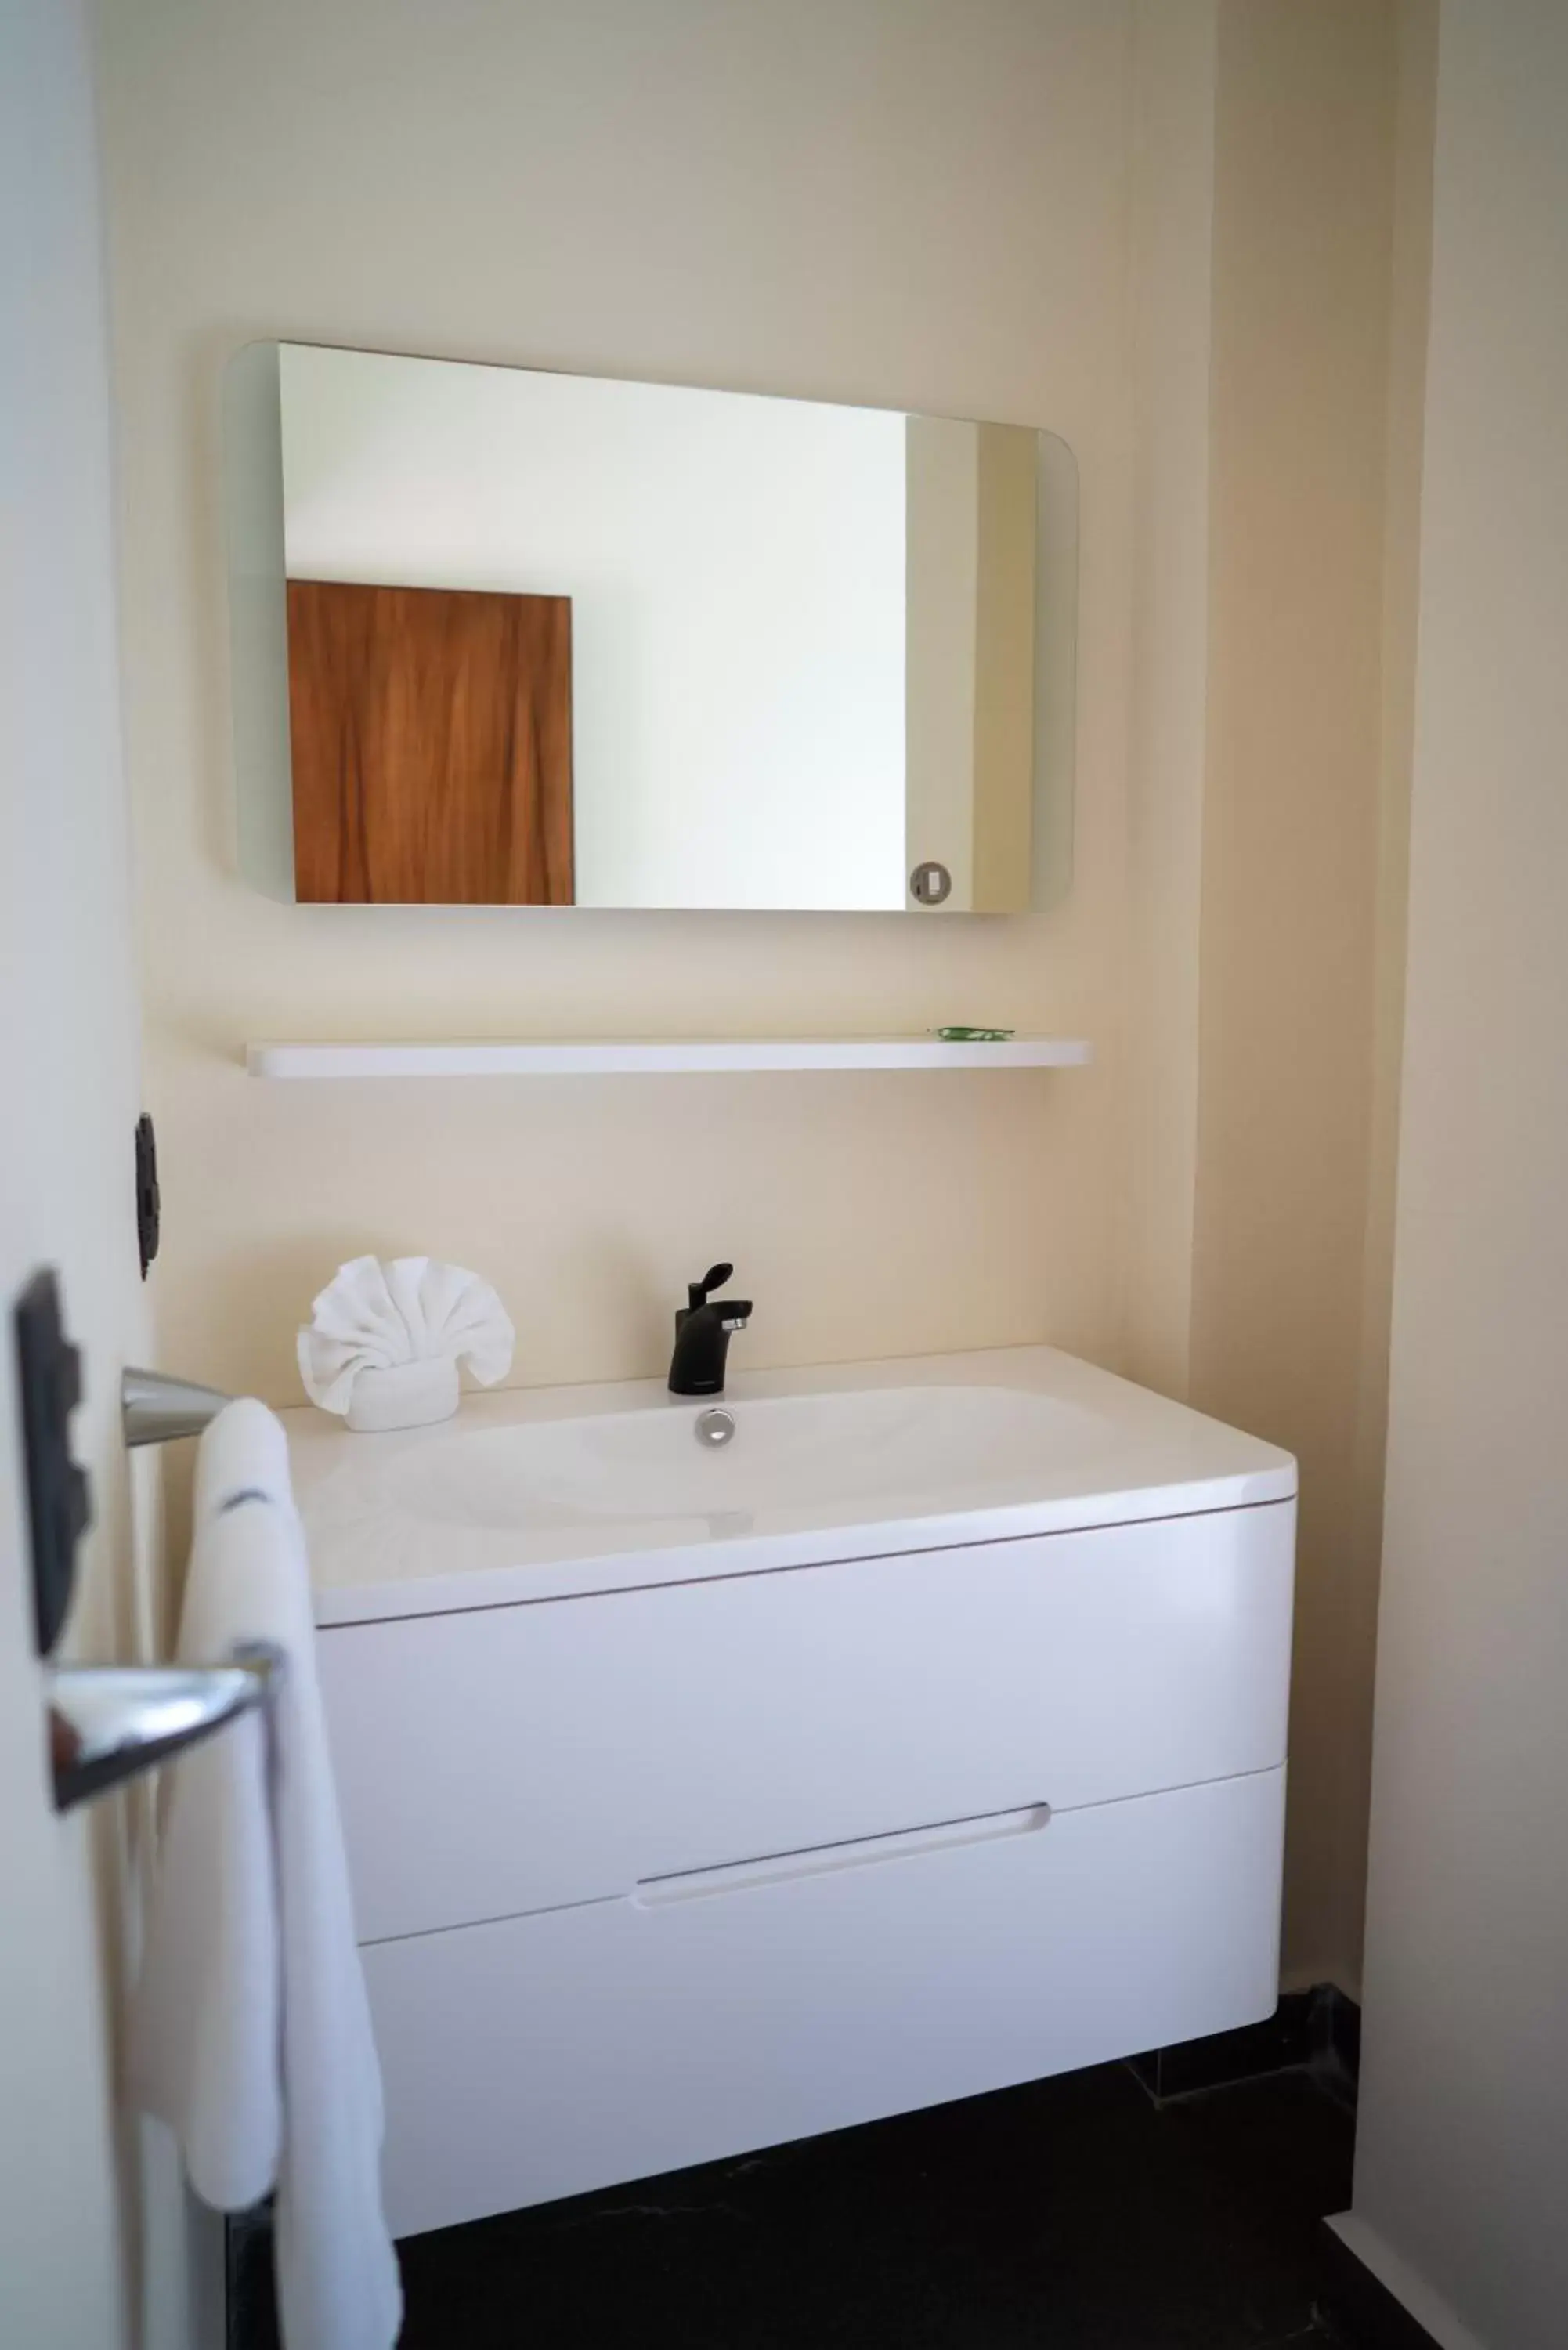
[431, 740]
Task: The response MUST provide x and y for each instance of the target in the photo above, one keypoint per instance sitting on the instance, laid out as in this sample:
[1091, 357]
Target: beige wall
[1165, 230]
[1462, 2163]
[1282, 158]
[1300, 875]
[1171, 254]
[857, 201]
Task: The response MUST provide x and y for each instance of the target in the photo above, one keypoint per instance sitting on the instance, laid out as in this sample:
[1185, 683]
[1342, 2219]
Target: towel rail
[155, 1408]
[108, 1723]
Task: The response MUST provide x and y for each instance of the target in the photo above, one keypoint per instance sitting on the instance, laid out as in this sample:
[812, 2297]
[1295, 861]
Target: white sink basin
[536, 1494]
[879, 1448]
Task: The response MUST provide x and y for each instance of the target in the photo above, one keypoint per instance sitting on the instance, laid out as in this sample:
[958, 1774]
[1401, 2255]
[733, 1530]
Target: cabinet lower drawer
[520, 1758]
[542, 2056]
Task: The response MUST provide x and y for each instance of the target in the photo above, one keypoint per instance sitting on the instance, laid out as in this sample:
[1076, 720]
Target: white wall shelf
[667, 1056]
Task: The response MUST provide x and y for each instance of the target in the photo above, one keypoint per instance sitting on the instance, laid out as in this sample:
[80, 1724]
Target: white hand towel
[252, 2036]
[373, 1317]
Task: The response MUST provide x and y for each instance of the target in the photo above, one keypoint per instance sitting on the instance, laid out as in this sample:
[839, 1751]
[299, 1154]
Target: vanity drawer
[543, 2057]
[517, 1759]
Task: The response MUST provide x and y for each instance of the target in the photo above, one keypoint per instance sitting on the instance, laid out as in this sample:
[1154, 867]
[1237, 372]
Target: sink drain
[714, 1426]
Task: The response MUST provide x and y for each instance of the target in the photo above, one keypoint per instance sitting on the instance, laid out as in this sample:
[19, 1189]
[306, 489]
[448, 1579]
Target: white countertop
[536, 1494]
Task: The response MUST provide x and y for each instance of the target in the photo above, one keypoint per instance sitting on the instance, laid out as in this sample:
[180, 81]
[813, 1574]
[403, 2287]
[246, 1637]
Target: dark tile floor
[1075, 2214]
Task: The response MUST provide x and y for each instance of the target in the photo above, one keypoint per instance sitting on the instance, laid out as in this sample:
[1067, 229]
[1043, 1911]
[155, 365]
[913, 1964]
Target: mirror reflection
[561, 640]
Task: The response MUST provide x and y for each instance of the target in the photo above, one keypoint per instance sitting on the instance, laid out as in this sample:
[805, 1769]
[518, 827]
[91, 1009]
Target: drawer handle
[827, 1859]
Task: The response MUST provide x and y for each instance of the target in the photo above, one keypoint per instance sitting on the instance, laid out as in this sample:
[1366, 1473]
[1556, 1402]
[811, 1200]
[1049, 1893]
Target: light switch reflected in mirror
[511, 637]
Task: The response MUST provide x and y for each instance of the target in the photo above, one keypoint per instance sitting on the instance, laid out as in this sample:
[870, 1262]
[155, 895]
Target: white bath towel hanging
[251, 2034]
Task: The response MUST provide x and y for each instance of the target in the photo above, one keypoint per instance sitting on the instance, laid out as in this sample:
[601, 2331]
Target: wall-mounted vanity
[505, 636]
[927, 1736]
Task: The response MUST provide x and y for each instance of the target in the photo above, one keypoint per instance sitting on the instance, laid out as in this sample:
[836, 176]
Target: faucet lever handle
[714, 1278]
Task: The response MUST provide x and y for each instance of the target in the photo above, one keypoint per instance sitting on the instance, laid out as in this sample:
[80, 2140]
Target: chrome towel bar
[110, 1722]
[155, 1408]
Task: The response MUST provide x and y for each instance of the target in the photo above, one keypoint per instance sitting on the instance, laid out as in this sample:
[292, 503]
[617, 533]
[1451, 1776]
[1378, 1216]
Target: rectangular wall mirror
[504, 636]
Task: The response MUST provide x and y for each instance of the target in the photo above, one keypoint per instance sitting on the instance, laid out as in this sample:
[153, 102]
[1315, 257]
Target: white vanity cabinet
[657, 1874]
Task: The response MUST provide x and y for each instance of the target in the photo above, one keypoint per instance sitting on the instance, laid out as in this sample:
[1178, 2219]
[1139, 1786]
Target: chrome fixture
[155, 1408]
[110, 1723]
[714, 1426]
[702, 1330]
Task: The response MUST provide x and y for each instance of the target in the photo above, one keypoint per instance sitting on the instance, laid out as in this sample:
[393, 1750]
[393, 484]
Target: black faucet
[702, 1328]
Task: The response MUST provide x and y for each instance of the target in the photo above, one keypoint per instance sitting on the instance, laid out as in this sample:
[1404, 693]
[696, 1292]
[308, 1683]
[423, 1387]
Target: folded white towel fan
[384, 1341]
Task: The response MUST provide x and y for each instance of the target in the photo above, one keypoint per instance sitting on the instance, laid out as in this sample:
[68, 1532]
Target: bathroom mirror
[504, 636]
